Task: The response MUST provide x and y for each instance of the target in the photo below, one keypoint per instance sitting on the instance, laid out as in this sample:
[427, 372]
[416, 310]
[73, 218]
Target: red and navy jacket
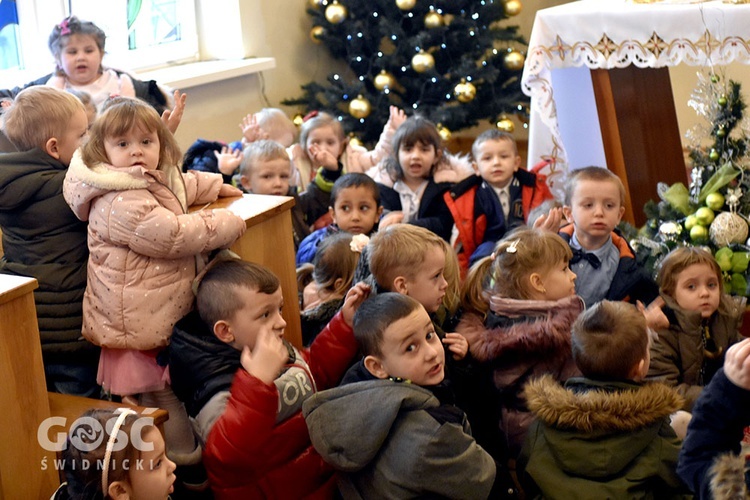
[479, 217]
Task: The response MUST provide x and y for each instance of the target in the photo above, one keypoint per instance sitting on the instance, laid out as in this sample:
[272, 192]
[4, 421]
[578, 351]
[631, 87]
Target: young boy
[391, 426]
[354, 207]
[244, 386]
[603, 261]
[499, 198]
[605, 434]
[42, 238]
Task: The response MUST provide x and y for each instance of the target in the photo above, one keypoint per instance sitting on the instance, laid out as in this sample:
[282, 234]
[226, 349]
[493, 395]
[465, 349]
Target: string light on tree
[505, 124]
[465, 91]
[406, 4]
[360, 107]
[384, 80]
[514, 60]
[336, 13]
[513, 7]
[423, 61]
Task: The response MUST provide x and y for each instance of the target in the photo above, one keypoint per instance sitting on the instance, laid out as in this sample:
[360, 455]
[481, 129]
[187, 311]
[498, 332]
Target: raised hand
[457, 344]
[173, 117]
[354, 298]
[251, 131]
[228, 160]
[267, 358]
[737, 364]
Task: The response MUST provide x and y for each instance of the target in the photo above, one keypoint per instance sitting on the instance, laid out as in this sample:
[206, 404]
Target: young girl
[143, 245]
[326, 282]
[703, 322]
[519, 305]
[322, 143]
[105, 468]
[415, 197]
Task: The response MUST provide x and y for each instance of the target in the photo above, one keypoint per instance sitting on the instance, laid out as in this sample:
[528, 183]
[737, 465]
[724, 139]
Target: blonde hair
[452, 274]
[492, 134]
[276, 123]
[318, 121]
[38, 114]
[262, 151]
[399, 250]
[506, 272]
[597, 174]
[677, 261]
[119, 115]
[335, 259]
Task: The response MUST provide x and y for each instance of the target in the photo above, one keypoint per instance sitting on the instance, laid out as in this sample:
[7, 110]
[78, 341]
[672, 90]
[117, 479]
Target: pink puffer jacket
[143, 246]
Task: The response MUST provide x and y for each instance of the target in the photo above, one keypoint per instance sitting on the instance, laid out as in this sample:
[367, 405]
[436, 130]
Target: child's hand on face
[396, 118]
[251, 131]
[550, 221]
[655, 317]
[737, 364]
[228, 160]
[173, 117]
[267, 359]
[395, 217]
[457, 344]
[354, 298]
[323, 158]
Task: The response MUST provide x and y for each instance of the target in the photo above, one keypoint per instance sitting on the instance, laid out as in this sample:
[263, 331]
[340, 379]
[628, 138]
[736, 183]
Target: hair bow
[310, 115]
[64, 26]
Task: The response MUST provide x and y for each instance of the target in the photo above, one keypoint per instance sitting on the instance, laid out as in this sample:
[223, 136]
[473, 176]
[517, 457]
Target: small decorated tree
[712, 211]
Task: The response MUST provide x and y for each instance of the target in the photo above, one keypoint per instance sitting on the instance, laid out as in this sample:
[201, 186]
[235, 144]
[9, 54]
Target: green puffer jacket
[594, 440]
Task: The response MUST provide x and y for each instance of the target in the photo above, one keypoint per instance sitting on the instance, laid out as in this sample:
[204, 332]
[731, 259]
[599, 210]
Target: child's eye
[364, 208]
[122, 144]
[411, 348]
[429, 335]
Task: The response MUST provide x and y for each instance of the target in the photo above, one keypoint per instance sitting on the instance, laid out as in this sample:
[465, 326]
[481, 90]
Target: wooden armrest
[72, 407]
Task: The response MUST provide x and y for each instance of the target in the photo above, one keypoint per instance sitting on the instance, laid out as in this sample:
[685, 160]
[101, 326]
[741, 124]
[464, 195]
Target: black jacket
[433, 213]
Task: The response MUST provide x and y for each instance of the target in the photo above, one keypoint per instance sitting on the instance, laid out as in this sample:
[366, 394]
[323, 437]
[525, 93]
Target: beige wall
[215, 110]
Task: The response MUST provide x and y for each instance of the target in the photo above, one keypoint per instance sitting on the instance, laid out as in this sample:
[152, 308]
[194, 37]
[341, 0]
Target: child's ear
[517, 163]
[245, 182]
[639, 371]
[332, 214]
[223, 331]
[119, 490]
[399, 285]
[52, 147]
[622, 212]
[537, 283]
[475, 167]
[375, 367]
[438, 155]
[380, 211]
[568, 213]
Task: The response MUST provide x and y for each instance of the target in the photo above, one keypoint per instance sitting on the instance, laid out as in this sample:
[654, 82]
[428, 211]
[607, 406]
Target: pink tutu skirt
[125, 372]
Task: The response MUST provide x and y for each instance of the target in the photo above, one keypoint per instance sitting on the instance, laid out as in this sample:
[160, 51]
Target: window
[140, 34]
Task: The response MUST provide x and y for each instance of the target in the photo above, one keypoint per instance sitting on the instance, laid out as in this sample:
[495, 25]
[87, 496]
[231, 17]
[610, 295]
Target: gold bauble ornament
[728, 228]
[445, 134]
[513, 7]
[355, 142]
[384, 80]
[315, 3]
[514, 60]
[360, 107]
[406, 4]
[433, 20]
[298, 119]
[465, 91]
[422, 62]
[336, 13]
[506, 125]
[316, 32]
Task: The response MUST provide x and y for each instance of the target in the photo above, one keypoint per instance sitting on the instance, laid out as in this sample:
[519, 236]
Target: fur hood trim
[546, 330]
[600, 410]
[728, 477]
[454, 169]
[103, 177]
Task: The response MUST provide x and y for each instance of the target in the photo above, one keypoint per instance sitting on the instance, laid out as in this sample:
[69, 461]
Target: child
[322, 143]
[391, 427]
[499, 198]
[127, 460]
[710, 460]
[245, 386]
[415, 197]
[703, 322]
[602, 259]
[144, 247]
[42, 238]
[330, 277]
[78, 49]
[268, 123]
[354, 207]
[605, 434]
[519, 305]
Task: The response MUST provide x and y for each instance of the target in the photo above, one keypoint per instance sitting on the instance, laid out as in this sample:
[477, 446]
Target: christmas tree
[452, 61]
[712, 211]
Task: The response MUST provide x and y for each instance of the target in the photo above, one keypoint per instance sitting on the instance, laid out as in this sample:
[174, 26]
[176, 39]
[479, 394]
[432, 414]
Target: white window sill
[189, 75]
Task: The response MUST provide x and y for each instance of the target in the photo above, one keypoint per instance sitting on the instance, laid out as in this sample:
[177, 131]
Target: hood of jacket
[200, 364]
[534, 326]
[728, 477]
[596, 429]
[85, 183]
[351, 423]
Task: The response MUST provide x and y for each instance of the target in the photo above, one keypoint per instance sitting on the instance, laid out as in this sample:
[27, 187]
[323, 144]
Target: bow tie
[579, 254]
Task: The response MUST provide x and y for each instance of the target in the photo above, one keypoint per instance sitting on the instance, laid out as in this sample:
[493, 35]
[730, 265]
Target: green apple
[704, 215]
[723, 257]
[699, 233]
[740, 261]
[715, 201]
[690, 222]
